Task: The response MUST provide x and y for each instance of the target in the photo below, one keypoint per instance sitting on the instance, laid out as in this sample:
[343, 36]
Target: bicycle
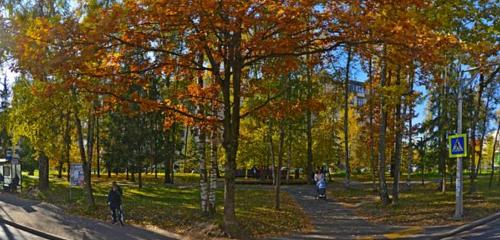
[120, 215]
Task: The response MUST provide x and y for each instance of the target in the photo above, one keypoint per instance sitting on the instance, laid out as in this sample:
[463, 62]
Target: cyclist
[115, 201]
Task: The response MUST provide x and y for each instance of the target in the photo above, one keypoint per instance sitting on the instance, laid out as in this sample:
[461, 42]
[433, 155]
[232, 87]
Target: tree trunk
[410, 131]
[90, 141]
[483, 135]
[86, 172]
[231, 225]
[156, 170]
[309, 167]
[231, 126]
[384, 196]
[108, 167]
[132, 173]
[289, 155]
[493, 156]
[98, 147]
[397, 151]
[280, 164]
[271, 152]
[61, 159]
[213, 173]
[168, 159]
[43, 171]
[157, 143]
[67, 142]
[346, 121]
[372, 138]
[442, 118]
[140, 175]
[186, 135]
[201, 149]
[472, 176]
[60, 167]
[173, 154]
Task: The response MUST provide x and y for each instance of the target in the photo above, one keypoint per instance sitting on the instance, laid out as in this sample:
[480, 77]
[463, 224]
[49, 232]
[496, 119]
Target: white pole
[459, 207]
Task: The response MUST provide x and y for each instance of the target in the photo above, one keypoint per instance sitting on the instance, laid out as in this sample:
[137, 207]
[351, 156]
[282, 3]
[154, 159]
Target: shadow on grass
[174, 207]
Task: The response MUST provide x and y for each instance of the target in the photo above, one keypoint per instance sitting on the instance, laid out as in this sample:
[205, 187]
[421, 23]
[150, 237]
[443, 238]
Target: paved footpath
[48, 218]
[331, 220]
[10, 233]
[487, 231]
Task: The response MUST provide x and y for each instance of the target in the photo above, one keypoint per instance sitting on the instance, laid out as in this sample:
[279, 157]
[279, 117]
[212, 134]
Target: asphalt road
[8, 232]
[488, 231]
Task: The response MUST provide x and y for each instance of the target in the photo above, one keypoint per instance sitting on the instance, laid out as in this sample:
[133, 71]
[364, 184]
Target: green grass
[423, 204]
[174, 207]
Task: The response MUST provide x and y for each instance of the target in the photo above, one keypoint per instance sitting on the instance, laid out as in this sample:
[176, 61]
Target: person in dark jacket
[114, 200]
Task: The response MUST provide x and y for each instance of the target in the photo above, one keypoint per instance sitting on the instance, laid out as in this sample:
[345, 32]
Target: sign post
[458, 145]
[76, 176]
[76, 173]
[459, 150]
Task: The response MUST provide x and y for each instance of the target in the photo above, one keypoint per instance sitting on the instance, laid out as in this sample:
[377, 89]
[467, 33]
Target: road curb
[455, 231]
[31, 230]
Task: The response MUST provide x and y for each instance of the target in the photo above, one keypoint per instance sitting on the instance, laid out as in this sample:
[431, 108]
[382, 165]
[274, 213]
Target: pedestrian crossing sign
[458, 145]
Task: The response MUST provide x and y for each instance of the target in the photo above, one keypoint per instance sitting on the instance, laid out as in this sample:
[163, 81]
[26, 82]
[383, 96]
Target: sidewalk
[331, 220]
[50, 219]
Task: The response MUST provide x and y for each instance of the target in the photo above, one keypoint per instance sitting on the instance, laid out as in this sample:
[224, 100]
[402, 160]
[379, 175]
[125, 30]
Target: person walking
[115, 201]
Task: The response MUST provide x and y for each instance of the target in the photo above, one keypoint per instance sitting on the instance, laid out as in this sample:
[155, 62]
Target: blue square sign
[458, 145]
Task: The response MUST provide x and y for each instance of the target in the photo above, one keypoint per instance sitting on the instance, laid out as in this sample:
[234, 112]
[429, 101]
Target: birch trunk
[201, 153]
[213, 173]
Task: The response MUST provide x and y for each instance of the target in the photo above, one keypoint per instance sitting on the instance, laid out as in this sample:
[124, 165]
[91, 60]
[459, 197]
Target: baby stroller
[321, 189]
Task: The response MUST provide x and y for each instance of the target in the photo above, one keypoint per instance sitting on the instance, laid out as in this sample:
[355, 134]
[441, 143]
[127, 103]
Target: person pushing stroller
[319, 179]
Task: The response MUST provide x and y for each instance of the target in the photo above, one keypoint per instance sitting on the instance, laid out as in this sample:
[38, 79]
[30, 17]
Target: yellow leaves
[280, 12]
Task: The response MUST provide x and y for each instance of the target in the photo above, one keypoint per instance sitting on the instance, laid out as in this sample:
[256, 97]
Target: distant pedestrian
[14, 183]
[319, 176]
[254, 172]
[2, 179]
